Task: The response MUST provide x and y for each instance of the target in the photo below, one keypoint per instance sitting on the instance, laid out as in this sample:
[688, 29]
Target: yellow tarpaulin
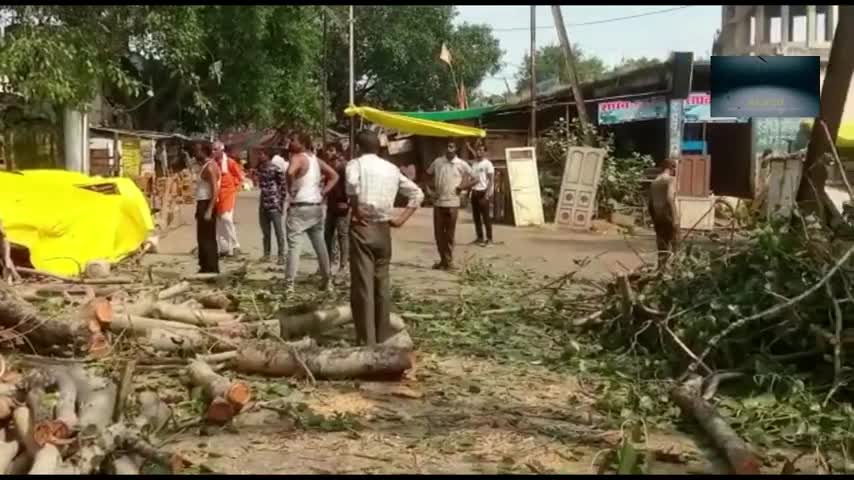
[64, 226]
[845, 136]
[416, 126]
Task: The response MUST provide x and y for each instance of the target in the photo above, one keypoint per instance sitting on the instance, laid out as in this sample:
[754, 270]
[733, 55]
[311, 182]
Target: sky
[653, 35]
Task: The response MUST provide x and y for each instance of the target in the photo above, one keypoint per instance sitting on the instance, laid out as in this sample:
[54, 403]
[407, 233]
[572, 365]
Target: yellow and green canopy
[408, 123]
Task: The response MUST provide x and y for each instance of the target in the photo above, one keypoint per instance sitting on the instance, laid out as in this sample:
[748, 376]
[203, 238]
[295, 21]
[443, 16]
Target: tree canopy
[551, 66]
[396, 57]
[193, 67]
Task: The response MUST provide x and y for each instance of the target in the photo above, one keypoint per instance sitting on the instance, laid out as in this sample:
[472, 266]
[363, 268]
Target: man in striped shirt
[372, 185]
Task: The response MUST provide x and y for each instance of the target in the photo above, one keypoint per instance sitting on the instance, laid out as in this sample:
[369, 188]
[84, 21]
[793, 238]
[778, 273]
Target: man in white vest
[309, 180]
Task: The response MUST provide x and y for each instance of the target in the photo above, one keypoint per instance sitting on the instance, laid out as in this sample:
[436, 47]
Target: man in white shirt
[372, 185]
[482, 193]
[451, 176]
[279, 162]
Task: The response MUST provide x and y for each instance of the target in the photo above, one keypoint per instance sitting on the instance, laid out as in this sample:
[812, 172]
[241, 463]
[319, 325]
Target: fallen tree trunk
[217, 300]
[226, 398]
[378, 362]
[22, 317]
[740, 457]
[320, 321]
[162, 335]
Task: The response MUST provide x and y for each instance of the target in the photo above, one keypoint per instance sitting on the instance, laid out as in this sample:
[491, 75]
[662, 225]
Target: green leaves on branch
[64, 54]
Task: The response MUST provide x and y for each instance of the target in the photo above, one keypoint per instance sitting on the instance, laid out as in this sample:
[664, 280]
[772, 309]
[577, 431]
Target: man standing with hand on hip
[451, 176]
[372, 185]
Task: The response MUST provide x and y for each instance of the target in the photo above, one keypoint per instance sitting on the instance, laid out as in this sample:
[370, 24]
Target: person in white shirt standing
[372, 185]
[482, 193]
[451, 176]
[309, 180]
[278, 161]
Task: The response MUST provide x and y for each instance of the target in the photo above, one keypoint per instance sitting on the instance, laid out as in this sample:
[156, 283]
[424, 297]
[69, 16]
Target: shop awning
[845, 136]
[416, 126]
[450, 115]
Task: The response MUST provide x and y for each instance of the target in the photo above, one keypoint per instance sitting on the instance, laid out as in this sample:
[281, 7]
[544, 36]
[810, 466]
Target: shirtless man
[662, 209]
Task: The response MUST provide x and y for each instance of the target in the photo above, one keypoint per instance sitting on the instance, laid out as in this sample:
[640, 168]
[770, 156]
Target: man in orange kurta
[231, 180]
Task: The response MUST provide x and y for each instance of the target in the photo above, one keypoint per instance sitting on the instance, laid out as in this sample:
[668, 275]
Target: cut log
[201, 318]
[8, 451]
[66, 411]
[97, 269]
[96, 398]
[400, 340]
[742, 460]
[153, 412]
[174, 291]
[217, 300]
[47, 461]
[314, 323]
[140, 325]
[162, 335]
[125, 465]
[378, 362]
[21, 316]
[226, 398]
[98, 309]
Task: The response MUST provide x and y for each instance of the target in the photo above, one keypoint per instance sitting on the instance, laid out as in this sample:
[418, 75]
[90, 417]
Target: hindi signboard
[622, 111]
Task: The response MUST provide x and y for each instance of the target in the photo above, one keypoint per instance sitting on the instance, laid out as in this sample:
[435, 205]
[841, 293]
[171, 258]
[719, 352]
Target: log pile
[58, 417]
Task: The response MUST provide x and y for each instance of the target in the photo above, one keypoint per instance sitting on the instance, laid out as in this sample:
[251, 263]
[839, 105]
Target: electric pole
[352, 87]
[580, 106]
[533, 141]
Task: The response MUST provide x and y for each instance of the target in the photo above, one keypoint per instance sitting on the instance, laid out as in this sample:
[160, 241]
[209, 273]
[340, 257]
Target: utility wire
[596, 22]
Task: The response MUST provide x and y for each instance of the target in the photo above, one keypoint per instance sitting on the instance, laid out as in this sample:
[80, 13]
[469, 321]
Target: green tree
[396, 57]
[63, 55]
[258, 68]
[551, 66]
[628, 64]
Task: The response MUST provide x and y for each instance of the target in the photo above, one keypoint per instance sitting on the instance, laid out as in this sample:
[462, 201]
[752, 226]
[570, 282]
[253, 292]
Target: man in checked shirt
[372, 185]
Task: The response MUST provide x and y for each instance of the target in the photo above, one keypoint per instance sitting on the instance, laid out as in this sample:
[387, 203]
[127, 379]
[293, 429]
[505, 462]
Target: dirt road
[464, 413]
[547, 249]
